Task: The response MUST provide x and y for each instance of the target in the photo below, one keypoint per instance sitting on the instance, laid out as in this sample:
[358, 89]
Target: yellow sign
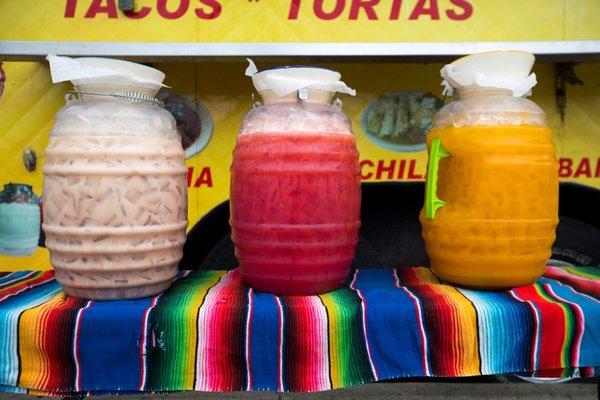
[300, 21]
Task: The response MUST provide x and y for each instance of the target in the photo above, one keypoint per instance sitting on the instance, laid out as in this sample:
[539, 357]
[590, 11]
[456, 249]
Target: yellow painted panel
[279, 21]
[581, 19]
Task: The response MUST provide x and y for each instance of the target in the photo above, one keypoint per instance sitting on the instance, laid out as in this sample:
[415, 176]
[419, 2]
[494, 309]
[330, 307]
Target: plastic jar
[115, 193]
[295, 186]
[491, 204]
[19, 220]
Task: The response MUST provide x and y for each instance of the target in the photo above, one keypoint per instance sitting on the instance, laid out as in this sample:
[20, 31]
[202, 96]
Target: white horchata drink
[115, 192]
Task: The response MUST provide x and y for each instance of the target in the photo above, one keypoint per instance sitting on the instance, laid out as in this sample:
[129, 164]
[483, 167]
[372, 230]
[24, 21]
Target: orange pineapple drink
[491, 205]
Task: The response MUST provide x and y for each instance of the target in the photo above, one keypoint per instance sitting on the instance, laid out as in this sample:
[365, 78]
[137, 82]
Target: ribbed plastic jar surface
[115, 198]
[295, 197]
[500, 186]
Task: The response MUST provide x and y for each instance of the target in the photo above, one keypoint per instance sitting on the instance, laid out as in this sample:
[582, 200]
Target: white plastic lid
[509, 70]
[285, 80]
[103, 71]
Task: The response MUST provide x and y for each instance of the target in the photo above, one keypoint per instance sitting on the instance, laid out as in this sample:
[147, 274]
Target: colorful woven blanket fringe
[210, 332]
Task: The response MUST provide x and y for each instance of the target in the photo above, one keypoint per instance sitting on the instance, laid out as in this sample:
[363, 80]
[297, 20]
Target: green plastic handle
[432, 203]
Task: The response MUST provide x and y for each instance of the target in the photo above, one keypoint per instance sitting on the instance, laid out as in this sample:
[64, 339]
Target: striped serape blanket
[210, 332]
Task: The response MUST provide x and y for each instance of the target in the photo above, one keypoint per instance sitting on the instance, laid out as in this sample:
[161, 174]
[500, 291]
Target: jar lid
[509, 70]
[103, 71]
[17, 192]
[15, 186]
[285, 80]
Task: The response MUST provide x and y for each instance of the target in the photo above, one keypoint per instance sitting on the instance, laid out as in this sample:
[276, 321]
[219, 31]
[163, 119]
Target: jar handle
[432, 202]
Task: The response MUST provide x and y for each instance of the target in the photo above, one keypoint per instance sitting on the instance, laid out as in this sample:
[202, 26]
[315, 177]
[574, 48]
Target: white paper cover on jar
[495, 69]
[285, 80]
[102, 71]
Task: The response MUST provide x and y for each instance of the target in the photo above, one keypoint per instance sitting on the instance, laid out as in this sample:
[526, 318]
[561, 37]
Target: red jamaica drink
[295, 194]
